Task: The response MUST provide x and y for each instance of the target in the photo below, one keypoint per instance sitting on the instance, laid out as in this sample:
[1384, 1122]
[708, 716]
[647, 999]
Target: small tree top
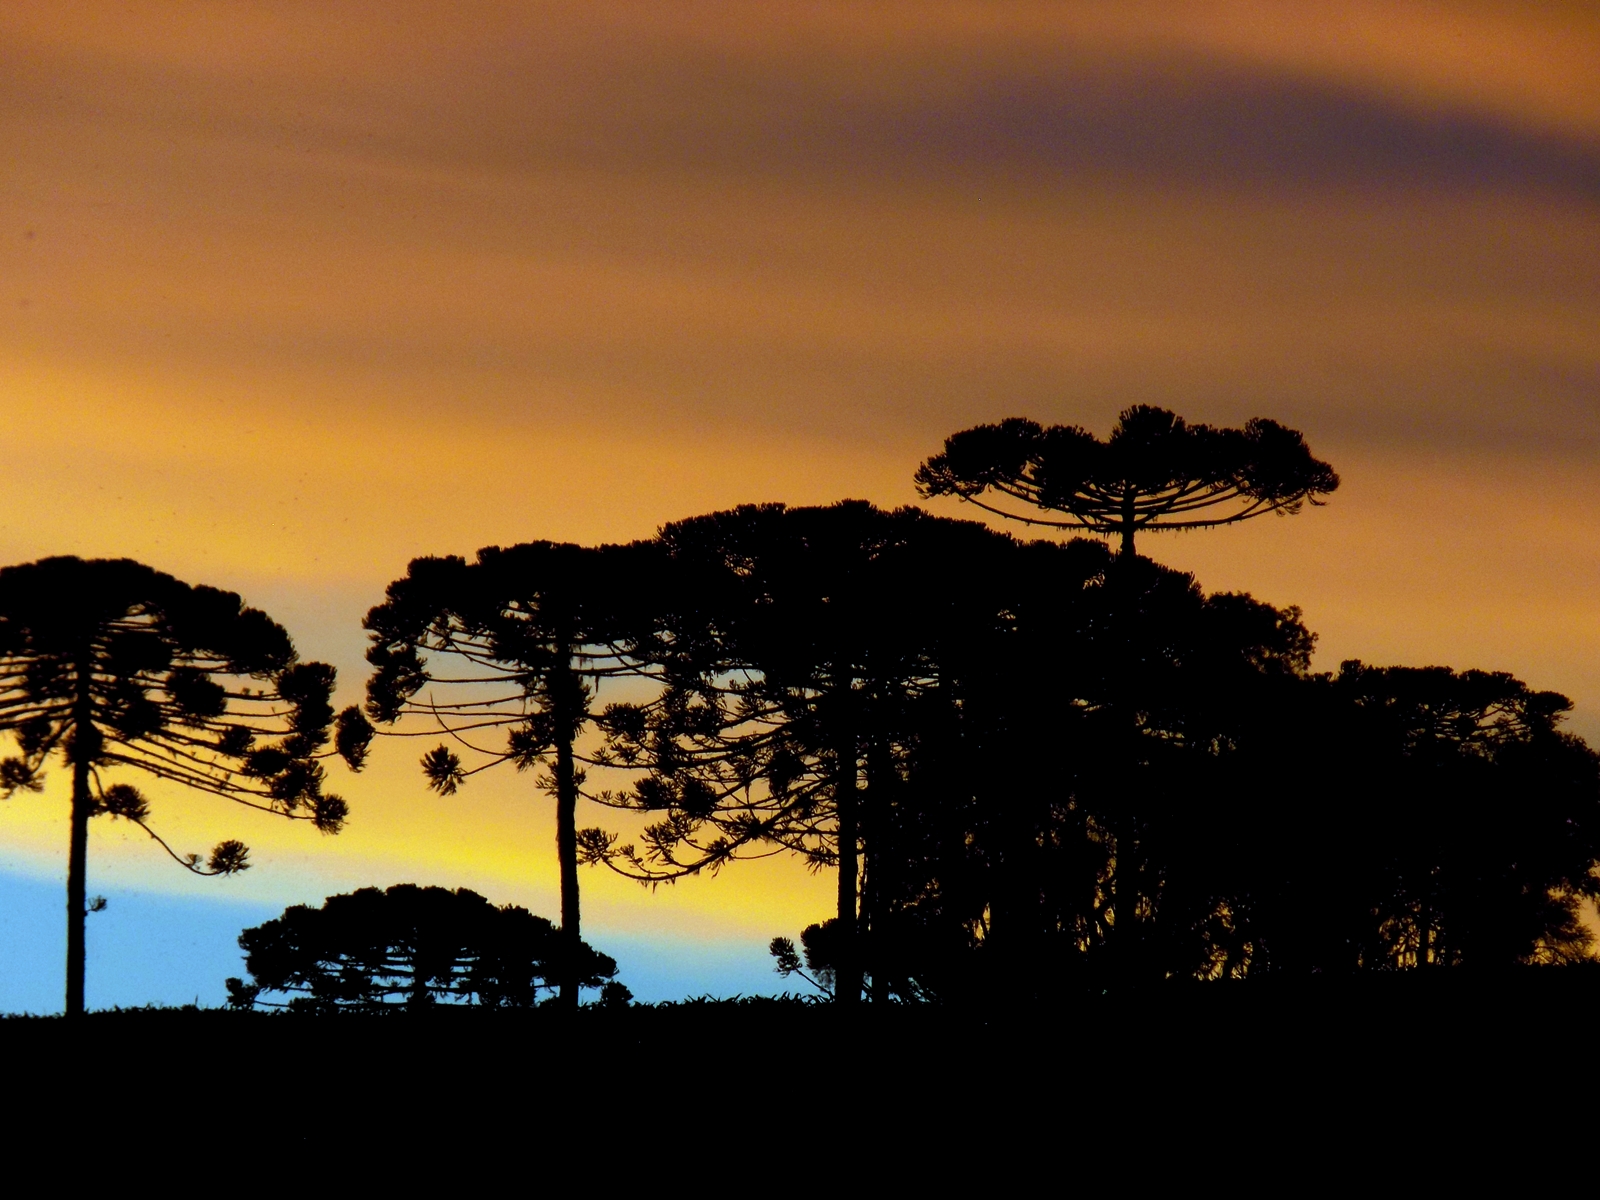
[1156, 471]
[510, 633]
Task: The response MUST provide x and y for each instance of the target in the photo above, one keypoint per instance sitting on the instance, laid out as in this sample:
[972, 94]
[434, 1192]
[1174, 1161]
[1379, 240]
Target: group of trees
[1031, 765]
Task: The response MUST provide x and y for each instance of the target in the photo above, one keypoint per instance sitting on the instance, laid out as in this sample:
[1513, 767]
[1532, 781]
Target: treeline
[1032, 766]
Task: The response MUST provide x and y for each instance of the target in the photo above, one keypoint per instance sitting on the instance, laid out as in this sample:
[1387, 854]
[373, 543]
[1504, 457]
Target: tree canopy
[1155, 472]
[119, 665]
[411, 947]
[810, 649]
[1032, 772]
[1468, 830]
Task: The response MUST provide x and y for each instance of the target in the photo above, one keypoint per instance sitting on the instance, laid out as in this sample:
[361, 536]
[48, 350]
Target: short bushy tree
[411, 947]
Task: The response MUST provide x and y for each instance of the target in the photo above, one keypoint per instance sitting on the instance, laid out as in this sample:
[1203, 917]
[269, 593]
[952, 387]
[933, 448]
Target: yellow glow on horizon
[496, 836]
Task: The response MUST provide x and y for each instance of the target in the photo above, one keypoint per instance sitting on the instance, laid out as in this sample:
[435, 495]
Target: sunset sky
[294, 292]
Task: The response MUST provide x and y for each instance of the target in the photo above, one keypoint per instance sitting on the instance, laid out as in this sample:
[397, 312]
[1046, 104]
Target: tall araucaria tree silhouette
[1155, 472]
[793, 646]
[516, 638]
[116, 666]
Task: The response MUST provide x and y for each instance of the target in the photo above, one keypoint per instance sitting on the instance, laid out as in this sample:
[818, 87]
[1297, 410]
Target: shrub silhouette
[412, 947]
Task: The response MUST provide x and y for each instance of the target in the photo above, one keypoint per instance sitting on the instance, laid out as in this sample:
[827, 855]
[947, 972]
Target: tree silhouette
[114, 665]
[411, 947]
[513, 636]
[1379, 819]
[802, 650]
[1175, 681]
[1155, 472]
[1032, 839]
[819, 959]
[1482, 816]
[777, 647]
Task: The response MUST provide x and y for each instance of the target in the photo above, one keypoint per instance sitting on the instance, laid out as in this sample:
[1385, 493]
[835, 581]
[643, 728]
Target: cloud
[1196, 124]
[953, 92]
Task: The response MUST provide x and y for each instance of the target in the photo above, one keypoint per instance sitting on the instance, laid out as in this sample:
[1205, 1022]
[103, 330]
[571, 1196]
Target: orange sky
[292, 292]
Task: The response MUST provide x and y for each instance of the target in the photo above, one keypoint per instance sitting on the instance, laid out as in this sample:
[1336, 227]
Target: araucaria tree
[118, 667]
[411, 947]
[798, 652]
[1155, 472]
[500, 656]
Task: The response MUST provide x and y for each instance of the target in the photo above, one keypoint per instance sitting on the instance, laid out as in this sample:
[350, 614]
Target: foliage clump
[1155, 472]
[412, 947]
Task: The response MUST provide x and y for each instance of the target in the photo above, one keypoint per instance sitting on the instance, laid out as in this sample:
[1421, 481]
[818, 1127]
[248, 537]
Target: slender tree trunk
[77, 898]
[847, 971]
[567, 854]
[874, 821]
[78, 853]
[1128, 513]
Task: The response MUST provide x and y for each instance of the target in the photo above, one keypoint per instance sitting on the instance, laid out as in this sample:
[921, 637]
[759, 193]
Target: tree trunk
[847, 971]
[77, 899]
[874, 820]
[1128, 514]
[78, 853]
[567, 854]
